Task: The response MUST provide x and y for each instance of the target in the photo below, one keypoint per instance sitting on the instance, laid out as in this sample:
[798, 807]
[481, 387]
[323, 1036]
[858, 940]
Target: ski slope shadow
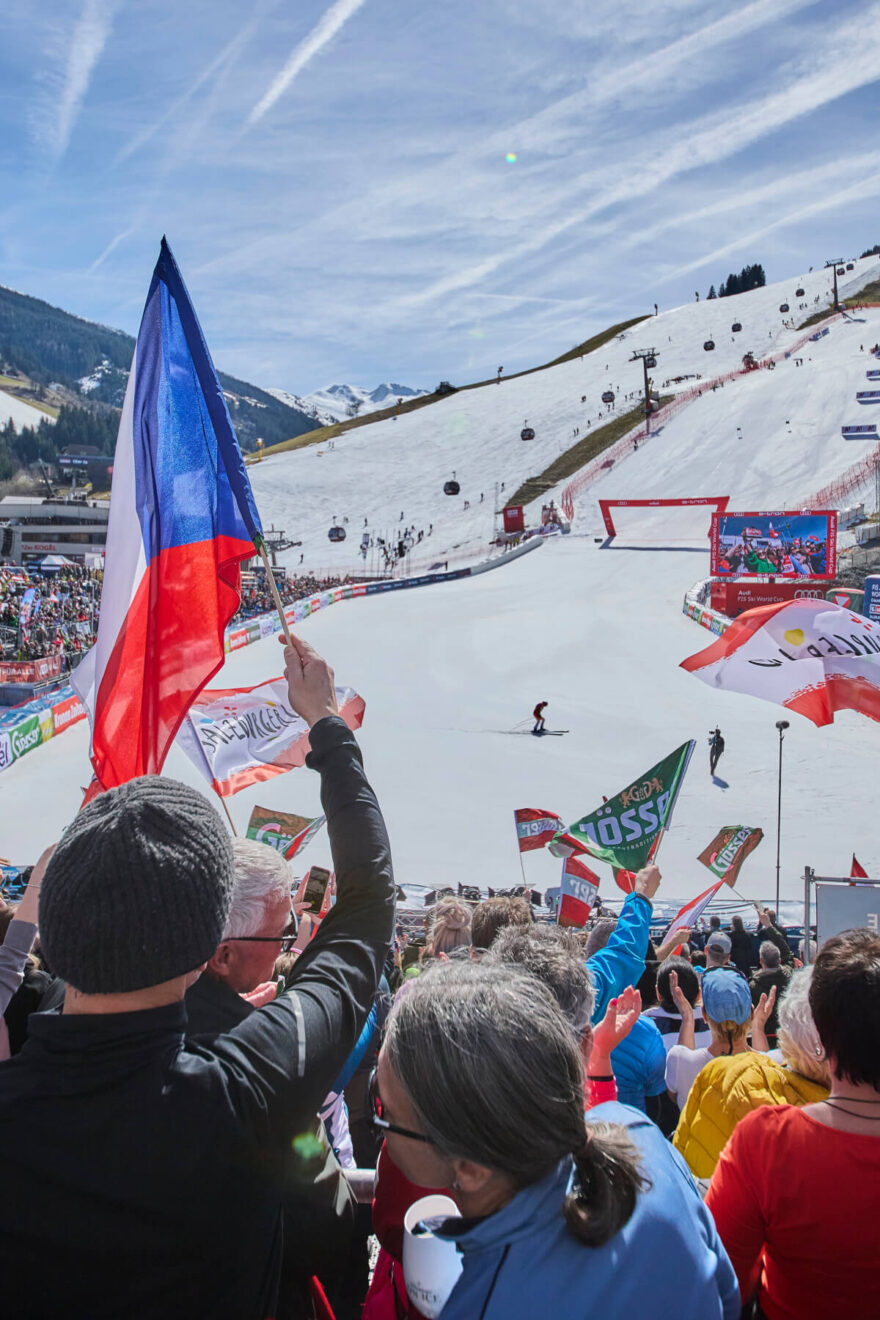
[611, 543]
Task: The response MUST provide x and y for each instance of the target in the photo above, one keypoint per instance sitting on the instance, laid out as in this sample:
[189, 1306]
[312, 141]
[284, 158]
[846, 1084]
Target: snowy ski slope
[400, 465]
[450, 673]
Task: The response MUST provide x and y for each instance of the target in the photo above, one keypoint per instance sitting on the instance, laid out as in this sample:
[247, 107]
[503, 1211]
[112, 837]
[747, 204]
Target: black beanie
[138, 890]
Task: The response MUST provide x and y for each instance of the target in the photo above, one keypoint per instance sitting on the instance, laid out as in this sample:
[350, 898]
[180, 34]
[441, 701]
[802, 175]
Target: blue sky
[335, 183]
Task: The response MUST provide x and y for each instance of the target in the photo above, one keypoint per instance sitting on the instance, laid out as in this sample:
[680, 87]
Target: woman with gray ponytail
[480, 1089]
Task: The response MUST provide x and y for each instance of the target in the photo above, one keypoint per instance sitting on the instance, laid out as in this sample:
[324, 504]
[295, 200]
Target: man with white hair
[317, 1197]
[259, 927]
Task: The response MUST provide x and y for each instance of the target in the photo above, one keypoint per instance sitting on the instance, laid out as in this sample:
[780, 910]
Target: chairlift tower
[835, 264]
[648, 358]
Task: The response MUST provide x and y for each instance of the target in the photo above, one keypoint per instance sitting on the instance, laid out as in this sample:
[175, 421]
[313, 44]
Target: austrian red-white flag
[810, 656]
[241, 736]
[691, 912]
[578, 892]
[535, 828]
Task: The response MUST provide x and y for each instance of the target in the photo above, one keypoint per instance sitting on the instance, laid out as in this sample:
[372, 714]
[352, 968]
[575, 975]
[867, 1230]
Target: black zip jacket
[141, 1174]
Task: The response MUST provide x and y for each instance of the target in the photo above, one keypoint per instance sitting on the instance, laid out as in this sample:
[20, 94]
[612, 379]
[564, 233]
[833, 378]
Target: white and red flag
[577, 893]
[535, 828]
[241, 736]
[810, 656]
[691, 912]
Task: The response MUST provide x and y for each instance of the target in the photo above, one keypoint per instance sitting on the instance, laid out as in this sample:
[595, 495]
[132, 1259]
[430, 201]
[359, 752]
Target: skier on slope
[716, 749]
[538, 716]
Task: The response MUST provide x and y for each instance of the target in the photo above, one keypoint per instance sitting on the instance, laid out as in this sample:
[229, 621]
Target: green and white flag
[625, 829]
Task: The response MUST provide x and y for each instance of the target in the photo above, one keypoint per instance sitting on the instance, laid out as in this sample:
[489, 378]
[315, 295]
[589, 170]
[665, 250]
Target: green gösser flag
[626, 829]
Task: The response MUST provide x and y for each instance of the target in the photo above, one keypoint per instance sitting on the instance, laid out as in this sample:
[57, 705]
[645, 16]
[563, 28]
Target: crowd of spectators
[56, 613]
[257, 598]
[51, 613]
[212, 1098]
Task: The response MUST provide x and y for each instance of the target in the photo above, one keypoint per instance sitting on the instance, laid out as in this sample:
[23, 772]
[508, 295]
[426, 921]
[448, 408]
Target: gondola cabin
[451, 488]
[840, 270]
[849, 265]
[784, 307]
[608, 396]
[709, 345]
[336, 534]
[527, 433]
[736, 327]
[650, 363]
[799, 293]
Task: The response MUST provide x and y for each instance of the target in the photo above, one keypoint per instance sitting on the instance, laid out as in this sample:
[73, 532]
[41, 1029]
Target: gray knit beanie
[138, 890]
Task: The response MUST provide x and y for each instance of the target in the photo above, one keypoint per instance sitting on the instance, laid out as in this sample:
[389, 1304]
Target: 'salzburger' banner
[237, 737]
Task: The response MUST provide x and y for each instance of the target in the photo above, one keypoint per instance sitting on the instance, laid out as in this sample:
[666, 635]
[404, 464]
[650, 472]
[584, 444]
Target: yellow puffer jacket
[725, 1091]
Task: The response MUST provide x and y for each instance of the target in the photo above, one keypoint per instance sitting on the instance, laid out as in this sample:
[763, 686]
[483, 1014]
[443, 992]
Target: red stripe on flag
[169, 647]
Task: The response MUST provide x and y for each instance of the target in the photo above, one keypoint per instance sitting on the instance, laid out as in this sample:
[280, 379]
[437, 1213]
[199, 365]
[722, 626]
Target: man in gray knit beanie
[138, 890]
[165, 1160]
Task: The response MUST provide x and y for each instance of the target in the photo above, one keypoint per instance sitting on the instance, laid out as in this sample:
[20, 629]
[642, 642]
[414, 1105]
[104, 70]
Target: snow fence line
[26, 727]
[641, 433]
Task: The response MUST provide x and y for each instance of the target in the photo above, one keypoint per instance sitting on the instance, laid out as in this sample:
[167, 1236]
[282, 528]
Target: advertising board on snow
[6, 753]
[785, 543]
[871, 605]
[67, 712]
[26, 736]
[732, 598]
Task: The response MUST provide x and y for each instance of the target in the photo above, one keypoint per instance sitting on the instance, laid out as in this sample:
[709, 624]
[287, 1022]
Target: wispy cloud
[84, 49]
[111, 247]
[218, 65]
[323, 31]
[699, 144]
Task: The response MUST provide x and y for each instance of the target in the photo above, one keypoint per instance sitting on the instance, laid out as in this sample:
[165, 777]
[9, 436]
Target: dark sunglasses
[286, 939]
[378, 1121]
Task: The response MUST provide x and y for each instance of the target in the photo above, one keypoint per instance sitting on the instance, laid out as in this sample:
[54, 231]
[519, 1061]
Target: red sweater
[797, 1206]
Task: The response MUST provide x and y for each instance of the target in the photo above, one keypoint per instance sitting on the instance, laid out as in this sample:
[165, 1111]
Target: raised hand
[310, 681]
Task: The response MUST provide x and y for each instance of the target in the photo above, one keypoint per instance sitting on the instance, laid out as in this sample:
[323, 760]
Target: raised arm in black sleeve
[282, 1060]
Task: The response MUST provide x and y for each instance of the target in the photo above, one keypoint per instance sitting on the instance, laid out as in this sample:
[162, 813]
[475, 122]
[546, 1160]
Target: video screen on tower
[781, 545]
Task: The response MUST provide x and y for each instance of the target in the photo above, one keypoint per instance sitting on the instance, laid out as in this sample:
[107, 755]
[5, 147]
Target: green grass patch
[580, 453]
[870, 293]
[323, 433]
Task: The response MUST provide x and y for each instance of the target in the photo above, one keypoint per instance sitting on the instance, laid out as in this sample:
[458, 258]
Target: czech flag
[182, 517]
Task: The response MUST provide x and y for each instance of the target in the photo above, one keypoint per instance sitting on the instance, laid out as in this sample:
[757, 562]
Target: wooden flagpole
[264, 555]
[228, 814]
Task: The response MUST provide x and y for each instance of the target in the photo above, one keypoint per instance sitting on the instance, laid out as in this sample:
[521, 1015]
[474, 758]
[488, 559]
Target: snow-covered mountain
[304, 405]
[339, 402]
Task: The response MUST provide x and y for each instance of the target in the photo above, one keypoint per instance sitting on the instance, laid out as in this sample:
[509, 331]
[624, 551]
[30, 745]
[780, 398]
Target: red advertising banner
[732, 598]
[30, 671]
[513, 518]
[238, 639]
[786, 544]
[67, 712]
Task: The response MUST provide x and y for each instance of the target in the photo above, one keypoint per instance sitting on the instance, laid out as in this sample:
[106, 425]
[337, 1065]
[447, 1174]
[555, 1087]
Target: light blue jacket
[622, 961]
[666, 1263]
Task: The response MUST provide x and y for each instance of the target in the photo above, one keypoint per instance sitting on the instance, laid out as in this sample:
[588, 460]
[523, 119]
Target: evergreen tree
[711, 293]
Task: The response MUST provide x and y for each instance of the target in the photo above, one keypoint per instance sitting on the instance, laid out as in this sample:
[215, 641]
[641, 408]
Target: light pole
[781, 725]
